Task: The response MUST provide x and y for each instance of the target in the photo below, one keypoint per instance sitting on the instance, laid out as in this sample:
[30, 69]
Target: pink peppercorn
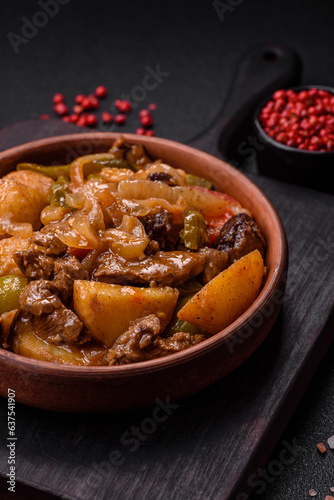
[107, 117]
[152, 106]
[79, 98]
[91, 120]
[120, 119]
[150, 133]
[78, 109]
[101, 91]
[302, 119]
[57, 98]
[44, 117]
[123, 106]
[61, 109]
[146, 121]
[140, 131]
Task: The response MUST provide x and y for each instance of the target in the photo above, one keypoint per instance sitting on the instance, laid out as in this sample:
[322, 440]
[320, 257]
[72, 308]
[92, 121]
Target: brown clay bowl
[113, 389]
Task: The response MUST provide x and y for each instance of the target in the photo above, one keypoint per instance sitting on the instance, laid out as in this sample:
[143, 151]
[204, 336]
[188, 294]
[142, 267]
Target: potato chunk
[23, 195]
[27, 344]
[33, 180]
[8, 247]
[106, 310]
[227, 296]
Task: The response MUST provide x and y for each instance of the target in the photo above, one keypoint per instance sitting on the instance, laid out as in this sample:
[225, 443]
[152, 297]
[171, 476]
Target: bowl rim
[278, 145]
[192, 352]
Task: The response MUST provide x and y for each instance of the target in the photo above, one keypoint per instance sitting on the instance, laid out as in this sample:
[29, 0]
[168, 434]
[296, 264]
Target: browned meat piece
[163, 268]
[63, 271]
[160, 227]
[239, 236]
[67, 270]
[34, 264]
[47, 238]
[59, 326]
[6, 322]
[142, 342]
[40, 297]
[137, 157]
[161, 177]
[215, 262]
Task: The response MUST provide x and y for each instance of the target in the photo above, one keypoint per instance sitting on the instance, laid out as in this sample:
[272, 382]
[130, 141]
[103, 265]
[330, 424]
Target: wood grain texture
[209, 446]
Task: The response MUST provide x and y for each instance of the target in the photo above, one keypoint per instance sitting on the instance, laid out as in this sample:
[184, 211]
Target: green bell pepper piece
[10, 291]
[58, 192]
[194, 180]
[53, 171]
[194, 233]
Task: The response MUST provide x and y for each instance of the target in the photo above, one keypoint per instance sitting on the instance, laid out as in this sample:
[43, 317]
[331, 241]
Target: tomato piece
[78, 252]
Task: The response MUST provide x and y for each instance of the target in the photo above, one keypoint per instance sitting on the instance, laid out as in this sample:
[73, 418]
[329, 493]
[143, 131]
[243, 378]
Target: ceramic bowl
[311, 169]
[113, 389]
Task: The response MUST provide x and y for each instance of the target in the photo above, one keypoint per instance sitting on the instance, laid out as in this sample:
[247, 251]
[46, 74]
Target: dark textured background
[90, 43]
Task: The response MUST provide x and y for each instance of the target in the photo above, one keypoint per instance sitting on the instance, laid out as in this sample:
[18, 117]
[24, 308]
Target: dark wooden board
[207, 446]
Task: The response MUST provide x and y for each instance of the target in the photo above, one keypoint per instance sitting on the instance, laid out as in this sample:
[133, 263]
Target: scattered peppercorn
[123, 106]
[107, 117]
[61, 109]
[101, 91]
[79, 98]
[120, 119]
[146, 120]
[78, 109]
[91, 120]
[303, 120]
[82, 111]
[57, 98]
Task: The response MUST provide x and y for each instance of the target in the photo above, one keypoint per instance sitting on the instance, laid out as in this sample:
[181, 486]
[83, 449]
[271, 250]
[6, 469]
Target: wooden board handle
[260, 71]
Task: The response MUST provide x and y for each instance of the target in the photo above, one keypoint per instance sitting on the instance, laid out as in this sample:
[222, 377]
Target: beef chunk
[163, 268]
[161, 177]
[67, 270]
[142, 342]
[63, 271]
[40, 297]
[50, 318]
[59, 326]
[6, 323]
[160, 227]
[216, 262]
[239, 236]
[47, 238]
[34, 264]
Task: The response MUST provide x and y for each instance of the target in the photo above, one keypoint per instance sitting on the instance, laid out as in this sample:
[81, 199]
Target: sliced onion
[92, 161]
[144, 189]
[116, 174]
[126, 245]
[202, 200]
[177, 175]
[52, 214]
